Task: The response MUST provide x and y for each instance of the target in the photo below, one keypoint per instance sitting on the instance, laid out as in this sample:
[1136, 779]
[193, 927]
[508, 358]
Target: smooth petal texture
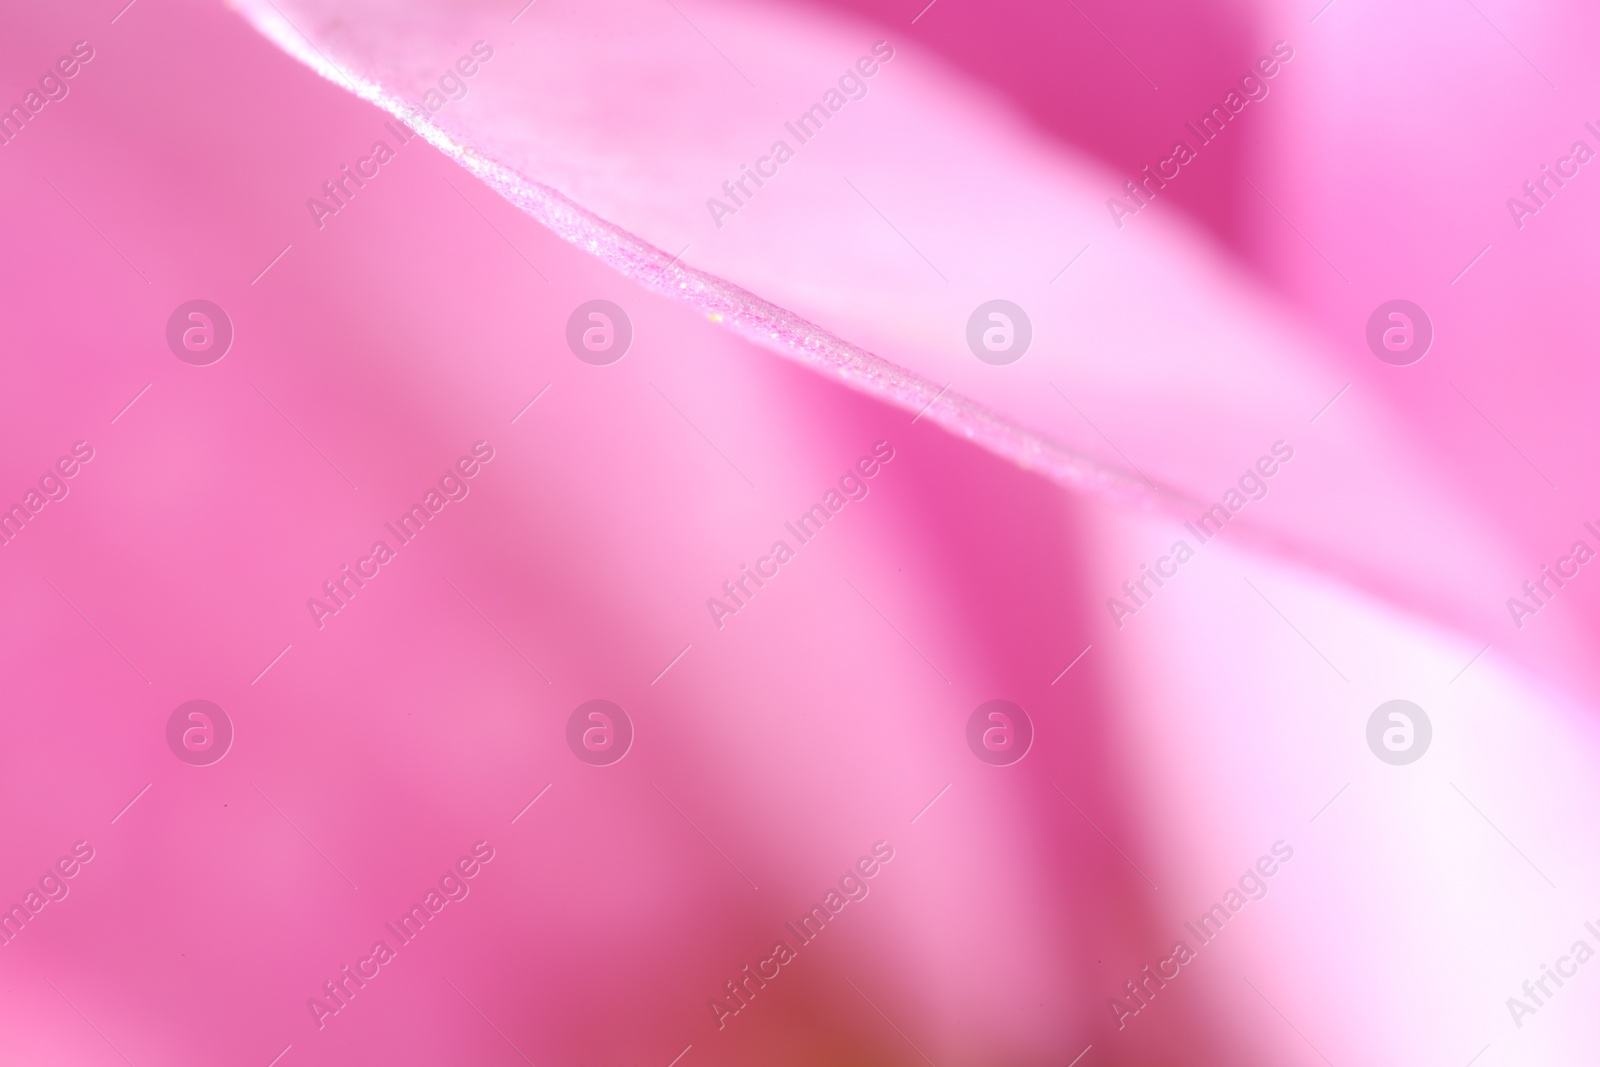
[377, 745]
[1159, 370]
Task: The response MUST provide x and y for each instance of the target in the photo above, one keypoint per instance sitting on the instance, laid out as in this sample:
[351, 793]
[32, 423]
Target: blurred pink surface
[372, 349]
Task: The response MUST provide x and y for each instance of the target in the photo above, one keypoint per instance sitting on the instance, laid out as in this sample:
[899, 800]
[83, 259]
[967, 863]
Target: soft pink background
[824, 717]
